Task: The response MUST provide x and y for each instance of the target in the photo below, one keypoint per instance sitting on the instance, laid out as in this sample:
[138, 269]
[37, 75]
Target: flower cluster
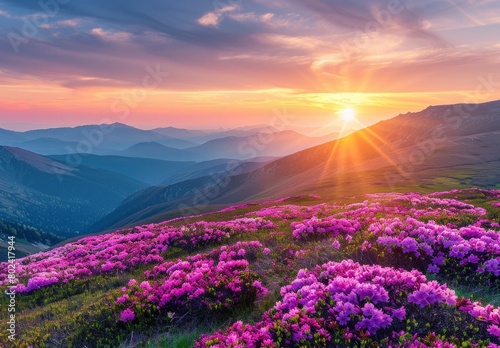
[322, 303]
[290, 211]
[329, 226]
[238, 335]
[391, 205]
[346, 303]
[488, 314]
[123, 250]
[468, 250]
[214, 282]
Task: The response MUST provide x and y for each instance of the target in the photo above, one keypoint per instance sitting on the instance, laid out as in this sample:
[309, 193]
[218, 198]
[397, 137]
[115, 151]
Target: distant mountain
[118, 135]
[165, 200]
[155, 172]
[176, 142]
[257, 144]
[218, 166]
[180, 133]
[440, 147]
[92, 138]
[11, 137]
[53, 146]
[46, 194]
[121, 140]
[158, 151]
[147, 170]
[203, 136]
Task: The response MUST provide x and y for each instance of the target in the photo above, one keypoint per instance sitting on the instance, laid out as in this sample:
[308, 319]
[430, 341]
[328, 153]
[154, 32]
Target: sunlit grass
[81, 304]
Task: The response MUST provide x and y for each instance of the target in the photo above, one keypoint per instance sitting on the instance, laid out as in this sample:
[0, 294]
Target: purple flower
[122, 299]
[373, 319]
[127, 315]
[433, 268]
[494, 330]
[399, 313]
[492, 266]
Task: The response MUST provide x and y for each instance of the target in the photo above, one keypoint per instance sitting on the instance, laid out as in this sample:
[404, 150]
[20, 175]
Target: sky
[229, 63]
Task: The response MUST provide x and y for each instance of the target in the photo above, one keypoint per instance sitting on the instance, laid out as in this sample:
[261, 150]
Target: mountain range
[54, 196]
[438, 148]
[137, 177]
[170, 144]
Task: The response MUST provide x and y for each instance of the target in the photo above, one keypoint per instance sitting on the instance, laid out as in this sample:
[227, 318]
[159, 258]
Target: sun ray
[353, 150]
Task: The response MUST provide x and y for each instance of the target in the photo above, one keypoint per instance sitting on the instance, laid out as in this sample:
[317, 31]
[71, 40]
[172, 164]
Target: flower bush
[331, 226]
[469, 254]
[350, 305]
[123, 250]
[146, 278]
[219, 281]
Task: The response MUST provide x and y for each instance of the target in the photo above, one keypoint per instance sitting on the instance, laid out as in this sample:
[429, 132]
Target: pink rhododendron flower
[127, 315]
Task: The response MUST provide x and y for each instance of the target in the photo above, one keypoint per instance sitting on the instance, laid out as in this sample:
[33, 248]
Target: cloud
[209, 19]
[72, 23]
[392, 17]
[251, 45]
[252, 17]
[214, 18]
[411, 71]
[111, 35]
[4, 14]
[175, 19]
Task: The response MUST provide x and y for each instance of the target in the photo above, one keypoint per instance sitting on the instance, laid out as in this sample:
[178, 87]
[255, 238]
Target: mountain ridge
[379, 157]
[53, 196]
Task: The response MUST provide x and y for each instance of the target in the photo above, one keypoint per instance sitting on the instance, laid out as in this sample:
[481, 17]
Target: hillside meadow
[376, 270]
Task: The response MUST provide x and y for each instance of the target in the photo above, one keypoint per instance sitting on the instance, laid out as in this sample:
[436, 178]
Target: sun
[348, 114]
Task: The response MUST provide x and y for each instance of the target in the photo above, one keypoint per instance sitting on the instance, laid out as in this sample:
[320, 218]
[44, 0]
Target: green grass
[183, 338]
[54, 316]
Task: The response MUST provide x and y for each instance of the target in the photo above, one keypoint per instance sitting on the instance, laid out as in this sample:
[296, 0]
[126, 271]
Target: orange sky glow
[240, 64]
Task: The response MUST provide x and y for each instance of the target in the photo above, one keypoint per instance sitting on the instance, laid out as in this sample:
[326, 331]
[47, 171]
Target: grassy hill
[50, 195]
[358, 271]
[29, 240]
[439, 148]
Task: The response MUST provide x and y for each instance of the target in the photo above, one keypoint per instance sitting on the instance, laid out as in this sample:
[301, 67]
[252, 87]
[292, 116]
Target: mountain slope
[54, 196]
[51, 146]
[261, 143]
[8, 137]
[156, 172]
[147, 170]
[29, 240]
[439, 147]
[156, 150]
[215, 167]
[422, 148]
[187, 197]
